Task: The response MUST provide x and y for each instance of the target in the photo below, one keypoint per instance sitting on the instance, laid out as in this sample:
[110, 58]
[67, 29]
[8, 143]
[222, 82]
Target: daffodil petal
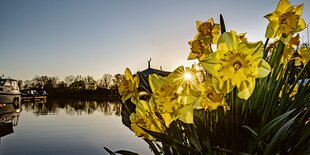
[283, 6]
[228, 41]
[167, 118]
[271, 30]
[222, 86]
[128, 74]
[145, 105]
[298, 61]
[301, 24]
[198, 23]
[188, 99]
[299, 9]
[305, 55]
[246, 88]
[135, 98]
[187, 115]
[192, 56]
[286, 39]
[263, 69]
[137, 81]
[126, 97]
[155, 82]
[211, 64]
[254, 49]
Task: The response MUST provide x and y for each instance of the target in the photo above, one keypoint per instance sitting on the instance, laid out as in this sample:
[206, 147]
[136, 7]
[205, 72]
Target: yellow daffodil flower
[236, 63]
[185, 76]
[145, 117]
[285, 21]
[209, 98]
[304, 56]
[164, 93]
[289, 49]
[198, 50]
[186, 79]
[128, 87]
[242, 37]
[208, 32]
[168, 99]
[165, 97]
[293, 93]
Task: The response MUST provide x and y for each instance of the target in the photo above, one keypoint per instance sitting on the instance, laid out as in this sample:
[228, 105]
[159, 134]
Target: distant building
[150, 70]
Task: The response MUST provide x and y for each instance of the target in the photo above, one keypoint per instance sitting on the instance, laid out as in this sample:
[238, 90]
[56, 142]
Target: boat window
[14, 85]
[7, 83]
[2, 82]
[7, 86]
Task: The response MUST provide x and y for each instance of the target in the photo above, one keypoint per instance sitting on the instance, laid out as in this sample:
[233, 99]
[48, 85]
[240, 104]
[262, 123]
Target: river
[70, 127]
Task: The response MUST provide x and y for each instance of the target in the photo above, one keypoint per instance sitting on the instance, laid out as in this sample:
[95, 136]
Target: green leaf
[109, 151]
[222, 24]
[269, 128]
[194, 138]
[276, 56]
[272, 147]
[170, 141]
[127, 109]
[144, 83]
[124, 152]
[304, 137]
[153, 147]
[249, 129]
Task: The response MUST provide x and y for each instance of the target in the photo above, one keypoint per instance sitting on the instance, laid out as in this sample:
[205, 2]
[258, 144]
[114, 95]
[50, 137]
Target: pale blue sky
[94, 37]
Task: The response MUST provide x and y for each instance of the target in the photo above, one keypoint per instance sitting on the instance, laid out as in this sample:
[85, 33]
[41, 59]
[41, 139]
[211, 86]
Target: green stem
[265, 46]
[277, 55]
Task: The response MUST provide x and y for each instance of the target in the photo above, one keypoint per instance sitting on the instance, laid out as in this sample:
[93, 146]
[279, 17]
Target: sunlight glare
[188, 76]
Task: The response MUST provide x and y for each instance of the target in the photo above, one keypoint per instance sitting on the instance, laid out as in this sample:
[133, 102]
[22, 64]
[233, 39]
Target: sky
[96, 37]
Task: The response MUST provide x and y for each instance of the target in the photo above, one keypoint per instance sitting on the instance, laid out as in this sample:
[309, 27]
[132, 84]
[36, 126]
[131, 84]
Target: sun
[187, 76]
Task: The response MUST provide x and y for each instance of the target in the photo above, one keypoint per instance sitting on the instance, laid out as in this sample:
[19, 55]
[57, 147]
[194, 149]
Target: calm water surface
[69, 128]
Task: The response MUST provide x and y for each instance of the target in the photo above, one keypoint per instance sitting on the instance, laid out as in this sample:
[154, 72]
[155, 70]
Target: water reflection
[65, 127]
[73, 107]
[9, 114]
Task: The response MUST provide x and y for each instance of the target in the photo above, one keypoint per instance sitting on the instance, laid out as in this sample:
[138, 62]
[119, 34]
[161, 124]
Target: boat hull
[6, 97]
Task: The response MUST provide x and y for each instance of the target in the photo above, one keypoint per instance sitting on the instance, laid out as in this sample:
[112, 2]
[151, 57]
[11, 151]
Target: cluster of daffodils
[235, 64]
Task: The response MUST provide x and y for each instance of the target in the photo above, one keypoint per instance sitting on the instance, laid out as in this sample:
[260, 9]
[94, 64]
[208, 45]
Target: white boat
[9, 91]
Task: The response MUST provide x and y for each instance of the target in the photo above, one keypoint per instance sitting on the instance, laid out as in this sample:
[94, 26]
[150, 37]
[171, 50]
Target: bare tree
[118, 78]
[90, 82]
[69, 79]
[61, 84]
[106, 81]
[45, 82]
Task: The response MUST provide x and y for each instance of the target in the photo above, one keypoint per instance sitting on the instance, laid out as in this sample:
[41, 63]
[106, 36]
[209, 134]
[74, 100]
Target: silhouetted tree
[51, 82]
[61, 84]
[40, 81]
[116, 80]
[90, 82]
[106, 81]
[27, 84]
[69, 79]
[45, 82]
[80, 84]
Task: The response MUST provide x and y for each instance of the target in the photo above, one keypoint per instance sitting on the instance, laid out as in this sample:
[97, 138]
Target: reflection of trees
[41, 108]
[110, 108]
[73, 107]
[80, 107]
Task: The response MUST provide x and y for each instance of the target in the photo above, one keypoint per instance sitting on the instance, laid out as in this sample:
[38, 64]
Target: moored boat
[33, 95]
[9, 91]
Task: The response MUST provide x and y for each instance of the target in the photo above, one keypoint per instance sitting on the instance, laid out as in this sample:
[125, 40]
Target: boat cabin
[9, 91]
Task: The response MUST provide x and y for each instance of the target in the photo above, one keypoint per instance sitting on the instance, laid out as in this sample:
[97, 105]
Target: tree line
[79, 87]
